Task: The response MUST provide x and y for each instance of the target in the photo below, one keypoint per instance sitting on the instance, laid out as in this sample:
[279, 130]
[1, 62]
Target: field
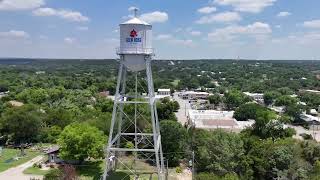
[8, 158]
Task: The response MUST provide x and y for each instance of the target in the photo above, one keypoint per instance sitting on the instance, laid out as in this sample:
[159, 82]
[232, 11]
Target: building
[193, 95]
[164, 92]
[310, 119]
[258, 97]
[3, 94]
[313, 112]
[278, 109]
[212, 119]
[104, 93]
[53, 155]
[310, 91]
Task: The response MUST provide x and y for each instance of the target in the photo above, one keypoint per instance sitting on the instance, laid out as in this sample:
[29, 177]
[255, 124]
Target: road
[184, 107]
[301, 130]
[16, 173]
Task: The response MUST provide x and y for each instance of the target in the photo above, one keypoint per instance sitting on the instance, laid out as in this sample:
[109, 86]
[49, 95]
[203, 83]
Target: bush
[306, 136]
[209, 176]
[54, 174]
[178, 170]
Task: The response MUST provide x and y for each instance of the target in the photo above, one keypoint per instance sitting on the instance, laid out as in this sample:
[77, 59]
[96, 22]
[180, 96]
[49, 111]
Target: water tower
[129, 124]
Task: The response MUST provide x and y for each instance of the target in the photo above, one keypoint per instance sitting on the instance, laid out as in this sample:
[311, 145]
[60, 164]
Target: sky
[182, 29]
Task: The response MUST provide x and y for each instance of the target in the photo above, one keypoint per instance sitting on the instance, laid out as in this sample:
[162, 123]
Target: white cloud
[163, 37]
[195, 33]
[220, 17]
[253, 6]
[15, 34]
[257, 30]
[173, 40]
[184, 42]
[278, 26]
[69, 40]
[11, 5]
[283, 14]
[207, 10]
[155, 17]
[61, 13]
[312, 24]
[82, 28]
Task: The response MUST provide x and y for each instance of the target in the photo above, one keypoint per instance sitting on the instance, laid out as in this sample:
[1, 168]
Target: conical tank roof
[136, 20]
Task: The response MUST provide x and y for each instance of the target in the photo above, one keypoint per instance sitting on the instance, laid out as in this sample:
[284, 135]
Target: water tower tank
[135, 43]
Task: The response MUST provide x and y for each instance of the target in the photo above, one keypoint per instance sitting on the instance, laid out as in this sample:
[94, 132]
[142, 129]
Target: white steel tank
[135, 43]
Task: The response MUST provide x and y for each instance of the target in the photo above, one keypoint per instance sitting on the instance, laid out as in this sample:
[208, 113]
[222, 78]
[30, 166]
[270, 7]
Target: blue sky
[182, 29]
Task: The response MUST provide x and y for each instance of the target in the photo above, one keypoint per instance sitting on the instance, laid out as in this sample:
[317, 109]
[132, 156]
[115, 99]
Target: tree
[215, 99]
[235, 98]
[218, 152]
[266, 126]
[23, 124]
[50, 134]
[58, 117]
[293, 111]
[173, 141]
[285, 101]
[166, 109]
[285, 91]
[33, 95]
[81, 141]
[270, 96]
[247, 111]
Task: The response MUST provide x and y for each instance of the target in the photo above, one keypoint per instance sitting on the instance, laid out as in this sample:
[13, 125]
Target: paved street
[16, 173]
[184, 107]
[300, 130]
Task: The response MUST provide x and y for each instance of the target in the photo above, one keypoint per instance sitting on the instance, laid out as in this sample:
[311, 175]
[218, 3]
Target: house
[193, 95]
[104, 93]
[3, 94]
[164, 92]
[258, 97]
[53, 155]
[313, 112]
[310, 119]
[278, 109]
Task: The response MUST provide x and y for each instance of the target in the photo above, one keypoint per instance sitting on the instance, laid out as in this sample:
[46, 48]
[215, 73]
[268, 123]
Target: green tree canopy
[218, 152]
[215, 99]
[235, 98]
[81, 141]
[174, 141]
[248, 111]
[22, 124]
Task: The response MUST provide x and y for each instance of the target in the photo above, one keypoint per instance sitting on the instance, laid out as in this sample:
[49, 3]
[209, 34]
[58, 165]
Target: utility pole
[167, 174]
[193, 171]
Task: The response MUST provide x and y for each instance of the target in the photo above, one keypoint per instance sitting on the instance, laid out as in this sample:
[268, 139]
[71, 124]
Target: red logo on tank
[133, 33]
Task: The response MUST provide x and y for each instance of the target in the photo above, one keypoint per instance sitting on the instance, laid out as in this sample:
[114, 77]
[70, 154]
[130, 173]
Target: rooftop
[137, 21]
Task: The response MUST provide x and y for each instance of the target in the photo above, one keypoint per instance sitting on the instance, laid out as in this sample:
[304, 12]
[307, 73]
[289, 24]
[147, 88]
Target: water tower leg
[123, 91]
[154, 120]
[109, 162]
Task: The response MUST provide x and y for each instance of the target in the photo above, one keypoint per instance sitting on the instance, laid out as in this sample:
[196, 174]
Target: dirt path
[185, 175]
[16, 173]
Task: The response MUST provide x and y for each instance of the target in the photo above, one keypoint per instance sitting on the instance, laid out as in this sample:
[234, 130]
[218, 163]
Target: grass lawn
[7, 158]
[35, 171]
[94, 170]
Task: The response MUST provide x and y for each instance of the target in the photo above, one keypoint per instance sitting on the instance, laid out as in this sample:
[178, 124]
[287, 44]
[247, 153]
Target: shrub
[54, 174]
[178, 170]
